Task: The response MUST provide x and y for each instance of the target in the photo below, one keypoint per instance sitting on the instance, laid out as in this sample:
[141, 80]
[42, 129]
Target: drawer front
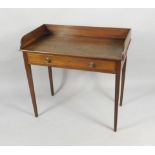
[72, 62]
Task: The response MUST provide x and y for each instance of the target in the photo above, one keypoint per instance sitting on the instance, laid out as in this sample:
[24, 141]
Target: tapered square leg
[117, 94]
[51, 80]
[123, 81]
[31, 85]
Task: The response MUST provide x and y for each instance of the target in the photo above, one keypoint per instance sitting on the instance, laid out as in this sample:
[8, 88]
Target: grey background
[81, 112]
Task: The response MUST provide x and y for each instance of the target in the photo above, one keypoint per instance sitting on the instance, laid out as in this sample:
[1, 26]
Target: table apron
[90, 64]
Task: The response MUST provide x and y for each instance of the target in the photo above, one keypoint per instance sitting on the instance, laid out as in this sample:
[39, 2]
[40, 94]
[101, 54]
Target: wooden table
[94, 49]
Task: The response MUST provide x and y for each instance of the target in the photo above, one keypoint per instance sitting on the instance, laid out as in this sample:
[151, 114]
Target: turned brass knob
[92, 65]
[47, 60]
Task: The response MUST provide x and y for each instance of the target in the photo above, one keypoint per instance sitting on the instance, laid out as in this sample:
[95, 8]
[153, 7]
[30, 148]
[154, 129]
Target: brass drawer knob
[92, 65]
[47, 60]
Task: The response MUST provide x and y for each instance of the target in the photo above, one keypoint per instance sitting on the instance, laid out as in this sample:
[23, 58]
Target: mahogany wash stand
[93, 49]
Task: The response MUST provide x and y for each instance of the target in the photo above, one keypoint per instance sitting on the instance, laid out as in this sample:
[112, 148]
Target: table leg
[51, 80]
[117, 94]
[31, 85]
[123, 81]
